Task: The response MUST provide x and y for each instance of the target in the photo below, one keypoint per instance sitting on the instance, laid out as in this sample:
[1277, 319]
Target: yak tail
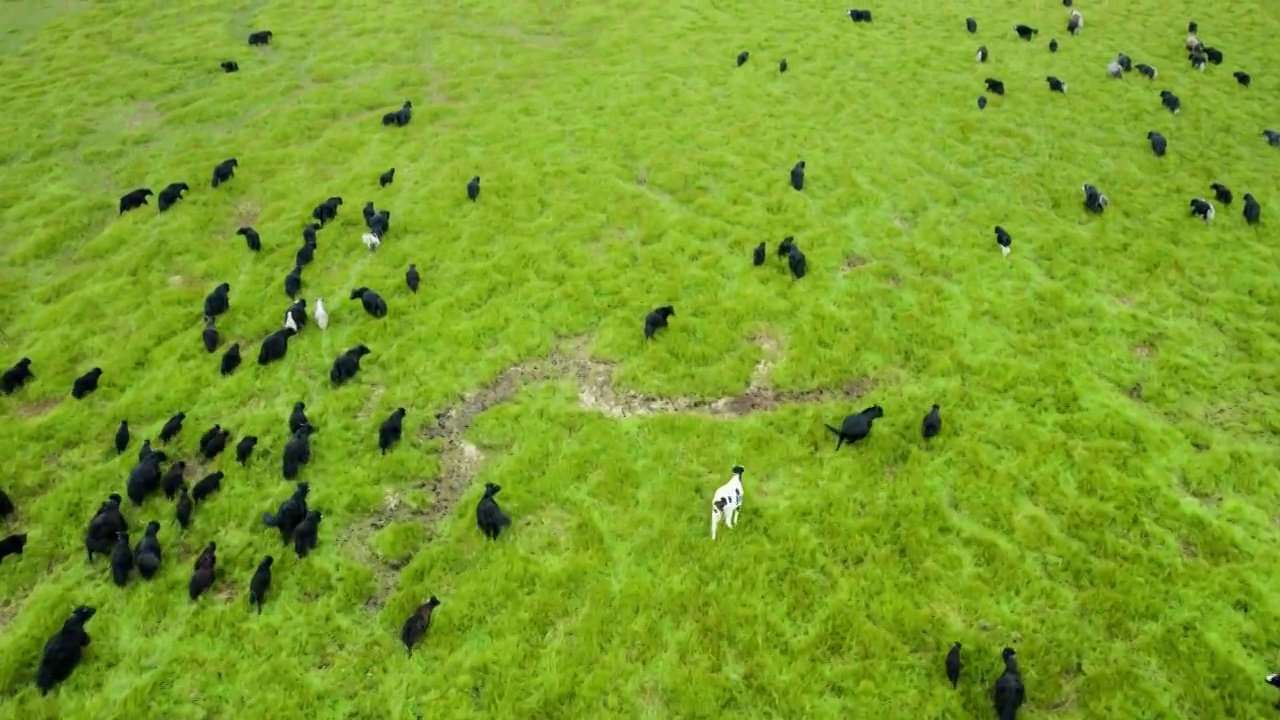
[833, 430]
[270, 520]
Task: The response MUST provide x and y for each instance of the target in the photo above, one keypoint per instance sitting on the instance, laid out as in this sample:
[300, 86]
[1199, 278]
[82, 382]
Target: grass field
[1103, 496]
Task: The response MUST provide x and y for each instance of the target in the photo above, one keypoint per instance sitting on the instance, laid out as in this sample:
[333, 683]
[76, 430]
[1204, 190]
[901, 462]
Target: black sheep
[251, 238]
[147, 554]
[210, 336]
[379, 223]
[1273, 137]
[306, 535]
[1009, 692]
[12, 545]
[389, 431]
[416, 625]
[932, 424]
[1004, 240]
[1025, 31]
[297, 452]
[1221, 193]
[1124, 61]
[229, 66]
[372, 301]
[86, 384]
[307, 252]
[172, 427]
[797, 175]
[16, 376]
[856, 427]
[172, 479]
[656, 320]
[184, 506]
[145, 450]
[412, 279]
[293, 282]
[261, 37]
[208, 435]
[63, 651]
[121, 560]
[134, 199]
[290, 513]
[218, 301]
[1159, 145]
[1094, 200]
[202, 577]
[216, 445]
[743, 57]
[101, 535]
[230, 360]
[327, 210]
[1214, 55]
[347, 365]
[275, 346]
[387, 178]
[260, 583]
[860, 15]
[144, 478]
[400, 117]
[473, 188]
[995, 86]
[207, 486]
[782, 66]
[954, 665]
[971, 25]
[170, 195]
[122, 437]
[758, 255]
[245, 448]
[1170, 101]
[1242, 77]
[489, 517]
[982, 54]
[1147, 71]
[796, 261]
[1053, 45]
[298, 417]
[1252, 210]
[224, 171]
[1056, 84]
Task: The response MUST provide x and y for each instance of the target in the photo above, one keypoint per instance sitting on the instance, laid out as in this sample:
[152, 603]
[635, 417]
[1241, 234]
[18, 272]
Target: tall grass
[1102, 497]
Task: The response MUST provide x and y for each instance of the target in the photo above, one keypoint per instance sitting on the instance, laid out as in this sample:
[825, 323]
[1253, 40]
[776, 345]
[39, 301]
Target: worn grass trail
[1103, 495]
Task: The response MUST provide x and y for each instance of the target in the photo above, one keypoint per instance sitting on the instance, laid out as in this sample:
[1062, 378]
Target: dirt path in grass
[460, 461]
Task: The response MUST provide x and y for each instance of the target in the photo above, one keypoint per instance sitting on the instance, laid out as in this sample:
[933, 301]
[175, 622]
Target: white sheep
[727, 502]
[371, 241]
[322, 317]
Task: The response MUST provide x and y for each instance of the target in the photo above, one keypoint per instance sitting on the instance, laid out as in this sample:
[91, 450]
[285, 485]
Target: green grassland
[1103, 496]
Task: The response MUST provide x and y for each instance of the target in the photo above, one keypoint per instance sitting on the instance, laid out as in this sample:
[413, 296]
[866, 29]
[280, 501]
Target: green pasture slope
[1104, 495]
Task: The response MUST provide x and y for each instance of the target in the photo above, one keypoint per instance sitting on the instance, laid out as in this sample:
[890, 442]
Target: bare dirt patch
[642, 177]
[902, 223]
[144, 113]
[245, 215]
[851, 263]
[1144, 350]
[1135, 392]
[29, 410]
[1124, 300]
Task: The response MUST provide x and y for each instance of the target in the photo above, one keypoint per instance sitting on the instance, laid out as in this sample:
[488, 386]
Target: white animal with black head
[727, 502]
